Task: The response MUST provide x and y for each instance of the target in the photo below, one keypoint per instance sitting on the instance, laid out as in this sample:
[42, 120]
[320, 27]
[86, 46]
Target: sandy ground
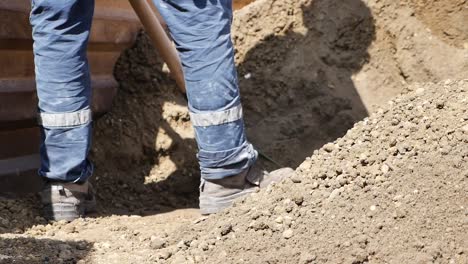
[389, 189]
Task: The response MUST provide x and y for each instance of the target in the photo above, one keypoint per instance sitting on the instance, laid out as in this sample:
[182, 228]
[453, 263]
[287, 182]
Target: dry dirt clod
[288, 233]
[226, 229]
[296, 178]
[157, 242]
[298, 199]
[165, 254]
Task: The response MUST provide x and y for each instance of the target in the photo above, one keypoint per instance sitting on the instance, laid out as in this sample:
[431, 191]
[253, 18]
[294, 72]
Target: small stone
[259, 225]
[194, 243]
[399, 214]
[379, 179]
[106, 245]
[373, 208]
[69, 229]
[307, 258]
[289, 207]
[182, 244]
[157, 242]
[288, 233]
[165, 254]
[81, 245]
[179, 259]
[363, 158]
[334, 194]
[298, 199]
[385, 169]
[279, 220]
[226, 229]
[465, 128]
[440, 104]
[204, 245]
[296, 178]
[329, 147]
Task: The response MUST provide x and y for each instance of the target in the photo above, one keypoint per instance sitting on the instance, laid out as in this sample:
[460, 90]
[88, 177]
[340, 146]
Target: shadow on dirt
[29, 250]
[300, 94]
[299, 97]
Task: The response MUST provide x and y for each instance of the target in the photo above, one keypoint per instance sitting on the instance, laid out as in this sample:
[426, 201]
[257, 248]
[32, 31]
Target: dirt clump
[393, 189]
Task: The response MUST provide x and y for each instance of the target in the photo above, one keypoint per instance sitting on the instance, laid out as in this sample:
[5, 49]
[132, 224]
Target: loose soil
[391, 188]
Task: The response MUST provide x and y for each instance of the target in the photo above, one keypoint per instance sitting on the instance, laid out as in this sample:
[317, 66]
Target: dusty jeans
[201, 30]
[60, 34]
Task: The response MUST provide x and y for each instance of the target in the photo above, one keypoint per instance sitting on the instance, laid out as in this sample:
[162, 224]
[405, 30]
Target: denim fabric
[60, 33]
[201, 30]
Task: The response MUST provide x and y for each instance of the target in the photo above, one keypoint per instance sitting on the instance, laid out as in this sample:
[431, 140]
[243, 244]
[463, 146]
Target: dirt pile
[314, 68]
[392, 190]
[308, 70]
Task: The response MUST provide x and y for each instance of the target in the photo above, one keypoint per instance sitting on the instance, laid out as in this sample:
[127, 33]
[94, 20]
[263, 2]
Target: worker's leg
[60, 33]
[201, 30]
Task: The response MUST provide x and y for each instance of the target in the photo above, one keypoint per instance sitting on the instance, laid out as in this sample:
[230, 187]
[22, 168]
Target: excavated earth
[392, 190]
[372, 94]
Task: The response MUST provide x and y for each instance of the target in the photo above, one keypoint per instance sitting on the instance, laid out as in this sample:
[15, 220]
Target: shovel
[160, 39]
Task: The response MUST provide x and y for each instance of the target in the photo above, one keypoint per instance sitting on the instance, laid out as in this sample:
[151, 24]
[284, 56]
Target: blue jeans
[201, 31]
[60, 32]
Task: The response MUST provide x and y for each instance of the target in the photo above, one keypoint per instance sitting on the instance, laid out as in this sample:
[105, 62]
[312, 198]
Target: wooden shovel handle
[160, 40]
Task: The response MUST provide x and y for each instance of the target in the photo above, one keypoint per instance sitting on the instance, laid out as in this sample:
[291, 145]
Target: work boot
[67, 201]
[216, 195]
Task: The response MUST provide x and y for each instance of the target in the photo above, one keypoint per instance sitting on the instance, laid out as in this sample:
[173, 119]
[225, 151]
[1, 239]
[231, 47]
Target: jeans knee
[222, 91]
